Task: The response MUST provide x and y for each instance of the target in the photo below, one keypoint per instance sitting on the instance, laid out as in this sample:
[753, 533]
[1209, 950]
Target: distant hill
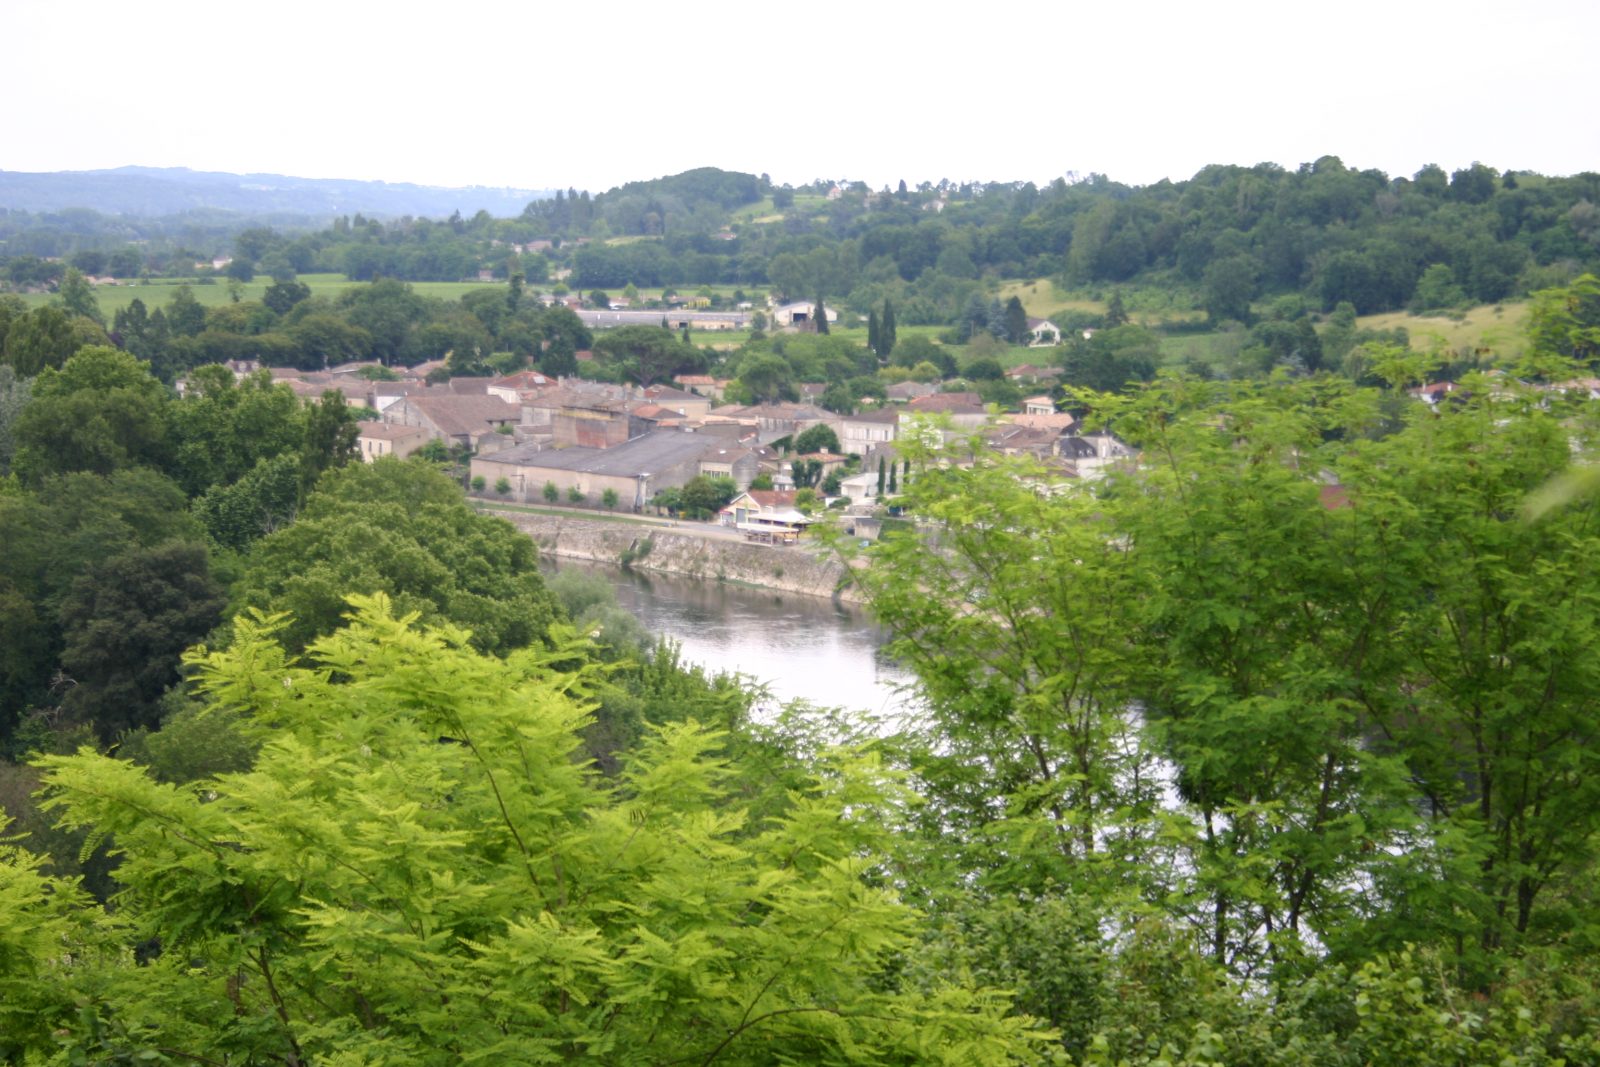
[154, 191]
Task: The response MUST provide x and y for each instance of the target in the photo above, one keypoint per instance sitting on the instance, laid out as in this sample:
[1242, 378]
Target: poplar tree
[886, 331]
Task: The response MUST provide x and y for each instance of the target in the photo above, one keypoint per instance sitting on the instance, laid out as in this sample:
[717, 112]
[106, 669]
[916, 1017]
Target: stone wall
[793, 569]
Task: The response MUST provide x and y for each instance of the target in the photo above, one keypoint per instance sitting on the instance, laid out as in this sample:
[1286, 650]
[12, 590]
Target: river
[799, 647]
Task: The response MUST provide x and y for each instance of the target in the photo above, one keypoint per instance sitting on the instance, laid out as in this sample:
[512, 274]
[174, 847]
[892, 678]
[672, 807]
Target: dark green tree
[124, 623]
[821, 316]
[1016, 321]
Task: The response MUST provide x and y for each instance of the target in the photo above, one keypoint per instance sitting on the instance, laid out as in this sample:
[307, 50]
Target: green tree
[886, 331]
[41, 338]
[821, 316]
[1016, 321]
[703, 496]
[99, 412]
[603, 918]
[551, 493]
[14, 395]
[818, 438]
[329, 441]
[124, 623]
[77, 297]
[609, 498]
[406, 530]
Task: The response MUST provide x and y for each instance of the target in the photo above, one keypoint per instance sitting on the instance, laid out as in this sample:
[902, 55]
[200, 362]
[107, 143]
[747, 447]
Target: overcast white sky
[538, 95]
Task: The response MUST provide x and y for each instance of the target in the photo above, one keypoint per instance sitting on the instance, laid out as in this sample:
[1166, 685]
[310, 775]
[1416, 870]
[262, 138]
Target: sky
[537, 95]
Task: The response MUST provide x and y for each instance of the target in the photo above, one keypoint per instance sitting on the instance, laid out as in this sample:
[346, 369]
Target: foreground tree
[417, 869]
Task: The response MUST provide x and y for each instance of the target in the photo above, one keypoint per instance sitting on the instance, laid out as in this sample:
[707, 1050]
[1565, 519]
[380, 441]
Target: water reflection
[799, 647]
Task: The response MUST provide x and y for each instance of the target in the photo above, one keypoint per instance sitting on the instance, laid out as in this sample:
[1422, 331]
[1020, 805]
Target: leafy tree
[406, 530]
[551, 493]
[124, 622]
[14, 395]
[647, 354]
[818, 438]
[330, 438]
[609, 499]
[41, 338]
[77, 297]
[282, 296]
[703, 496]
[574, 495]
[264, 499]
[101, 411]
[766, 376]
[642, 892]
[221, 429]
[185, 316]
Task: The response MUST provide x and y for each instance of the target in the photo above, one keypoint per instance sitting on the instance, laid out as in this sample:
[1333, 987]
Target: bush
[575, 495]
[551, 493]
[502, 486]
[478, 483]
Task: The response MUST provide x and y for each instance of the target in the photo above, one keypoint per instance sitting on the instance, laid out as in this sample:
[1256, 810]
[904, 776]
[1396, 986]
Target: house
[800, 313]
[766, 515]
[636, 471]
[1093, 453]
[379, 439]
[1038, 405]
[729, 460]
[1042, 333]
[966, 411]
[690, 405]
[859, 432]
[454, 418]
[1432, 394]
[901, 392]
[777, 420]
[860, 488]
[511, 387]
[703, 384]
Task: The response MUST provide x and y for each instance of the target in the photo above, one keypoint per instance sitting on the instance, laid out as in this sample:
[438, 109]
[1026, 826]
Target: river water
[798, 647]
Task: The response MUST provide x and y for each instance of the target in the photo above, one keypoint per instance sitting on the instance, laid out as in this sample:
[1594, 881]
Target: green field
[1499, 328]
[158, 292]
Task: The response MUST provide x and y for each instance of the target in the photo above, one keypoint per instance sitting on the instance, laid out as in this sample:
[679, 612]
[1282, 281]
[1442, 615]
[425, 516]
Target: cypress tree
[881, 473]
[822, 316]
[872, 331]
[886, 330]
[893, 485]
[1016, 321]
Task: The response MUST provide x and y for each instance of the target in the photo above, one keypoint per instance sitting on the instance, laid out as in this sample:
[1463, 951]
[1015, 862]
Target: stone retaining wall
[792, 569]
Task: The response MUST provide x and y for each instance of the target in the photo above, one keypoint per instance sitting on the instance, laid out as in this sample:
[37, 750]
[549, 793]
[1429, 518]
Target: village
[530, 439]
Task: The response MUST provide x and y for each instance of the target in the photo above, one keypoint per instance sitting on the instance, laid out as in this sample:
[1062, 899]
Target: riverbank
[705, 553]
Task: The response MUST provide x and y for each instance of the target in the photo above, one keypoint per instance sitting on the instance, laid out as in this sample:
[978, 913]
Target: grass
[158, 292]
[1500, 328]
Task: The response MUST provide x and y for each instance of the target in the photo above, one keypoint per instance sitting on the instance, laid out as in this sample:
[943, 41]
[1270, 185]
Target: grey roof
[456, 415]
[607, 319]
[649, 454]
